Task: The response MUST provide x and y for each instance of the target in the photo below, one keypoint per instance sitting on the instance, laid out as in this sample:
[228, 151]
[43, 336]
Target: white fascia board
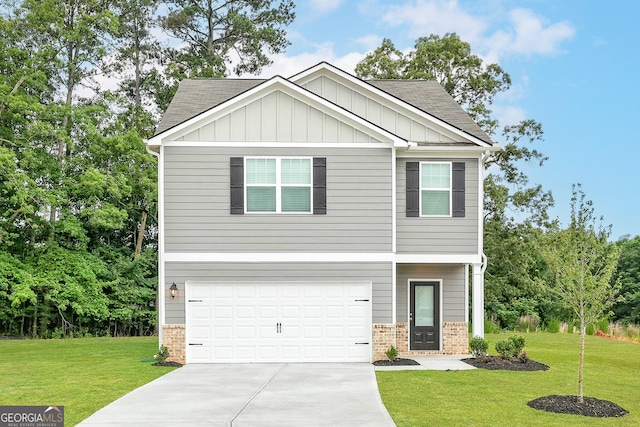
[275, 144]
[337, 257]
[445, 151]
[266, 88]
[300, 78]
[278, 257]
[438, 258]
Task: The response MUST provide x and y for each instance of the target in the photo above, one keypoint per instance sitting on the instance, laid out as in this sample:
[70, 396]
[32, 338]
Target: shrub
[491, 326]
[603, 325]
[479, 347]
[511, 347]
[528, 323]
[591, 329]
[162, 355]
[554, 326]
[392, 353]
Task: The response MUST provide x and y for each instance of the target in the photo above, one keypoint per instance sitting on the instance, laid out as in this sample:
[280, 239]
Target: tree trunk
[583, 332]
[143, 225]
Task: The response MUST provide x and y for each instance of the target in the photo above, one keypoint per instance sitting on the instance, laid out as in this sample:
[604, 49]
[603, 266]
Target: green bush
[491, 326]
[392, 353]
[479, 347]
[603, 325]
[162, 355]
[591, 329]
[528, 323]
[554, 326]
[511, 347]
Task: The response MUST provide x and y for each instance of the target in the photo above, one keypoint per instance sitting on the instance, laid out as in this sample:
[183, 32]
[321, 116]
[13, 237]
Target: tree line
[78, 193]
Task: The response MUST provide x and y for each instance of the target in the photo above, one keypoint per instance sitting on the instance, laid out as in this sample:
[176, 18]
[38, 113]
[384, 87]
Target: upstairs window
[435, 189]
[278, 184]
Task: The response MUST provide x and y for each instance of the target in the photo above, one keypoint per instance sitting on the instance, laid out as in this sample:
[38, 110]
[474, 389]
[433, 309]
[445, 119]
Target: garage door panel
[223, 332]
[223, 312]
[256, 322]
[289, 312]
[333, 332]
[201, 332]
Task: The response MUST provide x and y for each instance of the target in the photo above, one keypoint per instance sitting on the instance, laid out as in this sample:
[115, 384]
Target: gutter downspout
[161, 302]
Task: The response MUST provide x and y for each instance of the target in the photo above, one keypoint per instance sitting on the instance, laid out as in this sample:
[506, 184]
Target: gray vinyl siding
[453, 298]
[197, 204]
[438, 235]
[380, 274]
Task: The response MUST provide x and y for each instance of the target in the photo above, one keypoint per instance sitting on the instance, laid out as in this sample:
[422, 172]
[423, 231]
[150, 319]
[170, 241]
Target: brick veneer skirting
[173, 337]
[455, 339]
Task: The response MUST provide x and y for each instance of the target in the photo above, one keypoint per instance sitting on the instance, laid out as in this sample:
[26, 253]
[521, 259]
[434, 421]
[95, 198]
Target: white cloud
[508, 114]
[287, 66]
[520, 32]
[425, 17]
[324, 6]
[529, 34]
[370, 42]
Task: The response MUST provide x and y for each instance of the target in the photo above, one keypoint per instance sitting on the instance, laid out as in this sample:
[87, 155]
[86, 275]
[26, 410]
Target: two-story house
[318, 218]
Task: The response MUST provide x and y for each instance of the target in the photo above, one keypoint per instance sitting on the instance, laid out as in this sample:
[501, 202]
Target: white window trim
[450, 214]
[279, 185]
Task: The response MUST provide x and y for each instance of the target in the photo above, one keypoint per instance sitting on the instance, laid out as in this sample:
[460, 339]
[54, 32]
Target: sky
[573, 65]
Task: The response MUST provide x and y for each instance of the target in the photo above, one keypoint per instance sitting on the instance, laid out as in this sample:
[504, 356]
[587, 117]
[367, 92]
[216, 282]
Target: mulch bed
[397, 362]
[496, 363]
[174, 364]
[591, 407]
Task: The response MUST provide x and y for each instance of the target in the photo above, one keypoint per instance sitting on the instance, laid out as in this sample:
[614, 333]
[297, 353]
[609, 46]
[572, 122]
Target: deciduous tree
[583, 262]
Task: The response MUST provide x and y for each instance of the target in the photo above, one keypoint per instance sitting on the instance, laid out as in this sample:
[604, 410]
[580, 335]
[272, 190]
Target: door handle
[410, 316]
[278, 328]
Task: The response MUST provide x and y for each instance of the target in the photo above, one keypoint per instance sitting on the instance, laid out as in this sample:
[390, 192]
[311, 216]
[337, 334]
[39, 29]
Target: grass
[83, 374]
[499, 398]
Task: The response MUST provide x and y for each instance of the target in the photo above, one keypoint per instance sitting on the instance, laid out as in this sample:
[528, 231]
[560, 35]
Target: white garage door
[276, 322]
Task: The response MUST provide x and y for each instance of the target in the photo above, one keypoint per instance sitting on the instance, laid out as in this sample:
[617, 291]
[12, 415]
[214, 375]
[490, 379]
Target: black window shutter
[413, 189]
[457, 189]
[319, 185]
[237, 185]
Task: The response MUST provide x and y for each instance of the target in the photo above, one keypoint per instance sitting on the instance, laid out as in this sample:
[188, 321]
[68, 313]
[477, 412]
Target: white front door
[277, 322]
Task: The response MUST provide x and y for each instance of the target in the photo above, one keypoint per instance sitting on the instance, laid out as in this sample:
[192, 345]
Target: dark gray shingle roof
[430, 97]
[195, 96]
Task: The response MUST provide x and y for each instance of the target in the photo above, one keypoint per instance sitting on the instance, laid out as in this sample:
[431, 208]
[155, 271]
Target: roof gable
[423, 104]
[416, 111]
[275, 110]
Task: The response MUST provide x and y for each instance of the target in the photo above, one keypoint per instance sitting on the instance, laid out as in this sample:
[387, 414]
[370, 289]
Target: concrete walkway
[304, 394]
[432, 363]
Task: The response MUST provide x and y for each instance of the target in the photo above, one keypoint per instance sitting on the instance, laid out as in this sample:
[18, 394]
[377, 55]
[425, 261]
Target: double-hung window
[435, 189]
[278, 184]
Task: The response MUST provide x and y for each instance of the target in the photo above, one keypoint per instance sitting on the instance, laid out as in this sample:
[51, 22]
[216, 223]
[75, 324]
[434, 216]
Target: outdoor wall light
[173, 290]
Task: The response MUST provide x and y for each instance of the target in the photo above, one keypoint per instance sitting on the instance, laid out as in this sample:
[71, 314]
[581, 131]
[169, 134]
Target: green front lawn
[499, 398]
[83, 375]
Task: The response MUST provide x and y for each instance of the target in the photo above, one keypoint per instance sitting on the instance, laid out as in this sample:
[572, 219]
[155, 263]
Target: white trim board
[297, 257]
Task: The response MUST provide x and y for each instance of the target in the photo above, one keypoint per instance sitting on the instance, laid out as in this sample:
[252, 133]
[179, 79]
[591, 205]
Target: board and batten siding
[197, 204]
[425, 235]
[453, 290]
[380, 274]
[376, 110]
[279, 117]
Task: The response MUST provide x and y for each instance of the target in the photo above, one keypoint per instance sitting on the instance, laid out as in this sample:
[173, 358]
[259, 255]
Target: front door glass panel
[424, 306]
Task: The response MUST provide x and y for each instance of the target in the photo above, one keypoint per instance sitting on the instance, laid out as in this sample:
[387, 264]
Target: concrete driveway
[297, 394]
